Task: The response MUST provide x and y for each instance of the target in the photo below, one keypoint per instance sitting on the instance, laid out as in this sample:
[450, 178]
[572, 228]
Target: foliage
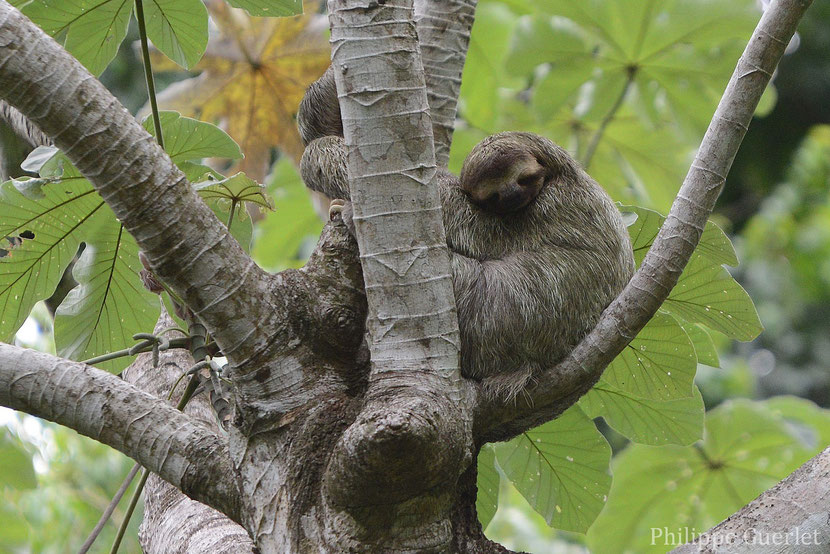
[627, 87]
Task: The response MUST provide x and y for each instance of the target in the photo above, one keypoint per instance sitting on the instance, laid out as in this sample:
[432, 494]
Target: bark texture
[327, 452]
[444, 35]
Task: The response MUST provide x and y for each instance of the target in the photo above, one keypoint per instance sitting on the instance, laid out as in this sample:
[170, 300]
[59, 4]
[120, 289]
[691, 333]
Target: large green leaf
[707, 294]
[483, 69]
[658, 364]
[714, 245]
[561, 468]
[52, 217]
[705, 349]
[110, 304]
[647, 421]
[747, 448]
[265, 8]
[188, 139]
[94, 29]
[179, 28]
[681, 50]
[43, 230]
[487, 500]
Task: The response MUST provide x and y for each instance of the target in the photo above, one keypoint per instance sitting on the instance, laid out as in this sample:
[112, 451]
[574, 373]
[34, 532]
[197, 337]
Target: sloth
[538, 249]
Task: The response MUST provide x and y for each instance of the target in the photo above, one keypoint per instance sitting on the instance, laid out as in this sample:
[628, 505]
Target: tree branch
[563, 384]
[187, 246]
[794, 510]
[101, 406]
[414, 427]
[444, 35]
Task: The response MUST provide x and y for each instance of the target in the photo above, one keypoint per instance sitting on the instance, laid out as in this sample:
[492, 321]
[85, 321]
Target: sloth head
[506, 172]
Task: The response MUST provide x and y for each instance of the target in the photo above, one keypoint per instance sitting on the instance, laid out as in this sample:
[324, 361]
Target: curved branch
[444, 35]
[103, 407]
[563, 384]
[187, 246]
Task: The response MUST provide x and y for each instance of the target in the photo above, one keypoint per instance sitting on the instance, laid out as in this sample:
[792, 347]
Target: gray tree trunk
[326, 452]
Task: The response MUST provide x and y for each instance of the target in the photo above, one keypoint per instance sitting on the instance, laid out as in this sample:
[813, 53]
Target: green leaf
[747, 448]
[281, 234]
[714, 245]
[110, 304]
[228, 195]
[265, 8]
[646, 421]
[237, 188]
[94, 29]
[16, 469]
[487, 500]
[707, 294]
[42, 237]
[659, 364]
[483, 69]
[187, 139]
[179, 28]
[705, 348]
[561, 468]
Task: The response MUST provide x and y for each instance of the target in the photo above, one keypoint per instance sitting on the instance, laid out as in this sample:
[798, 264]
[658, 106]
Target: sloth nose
[509, 198]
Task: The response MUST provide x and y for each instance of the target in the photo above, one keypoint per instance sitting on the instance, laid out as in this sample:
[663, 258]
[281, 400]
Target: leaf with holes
[561, 468]
[707, 294]
[110, 304]
[487, 500]
[647, 421]
[659, 364]
[44, 229]
[40, 238]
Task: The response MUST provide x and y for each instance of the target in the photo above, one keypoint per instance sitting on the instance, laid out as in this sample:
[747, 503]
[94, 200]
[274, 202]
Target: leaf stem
[148, 70]
[230, 217]
[609, 117]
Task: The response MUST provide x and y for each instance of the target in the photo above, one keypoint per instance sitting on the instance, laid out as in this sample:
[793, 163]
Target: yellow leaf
[253, 76]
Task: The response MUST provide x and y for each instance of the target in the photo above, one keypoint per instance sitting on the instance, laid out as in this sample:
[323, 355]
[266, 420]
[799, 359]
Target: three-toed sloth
[538, 249]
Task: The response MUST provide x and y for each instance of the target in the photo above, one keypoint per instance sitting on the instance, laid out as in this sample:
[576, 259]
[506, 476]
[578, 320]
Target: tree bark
[328, 453]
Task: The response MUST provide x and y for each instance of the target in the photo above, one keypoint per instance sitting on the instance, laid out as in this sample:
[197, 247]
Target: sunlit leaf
[707, 294]
[561, 468]
[253, 76]
[483, 69]
[658, 364]
[93, 29]
[747, 448]
[647, 421]
[487, 500]
[705, 348]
